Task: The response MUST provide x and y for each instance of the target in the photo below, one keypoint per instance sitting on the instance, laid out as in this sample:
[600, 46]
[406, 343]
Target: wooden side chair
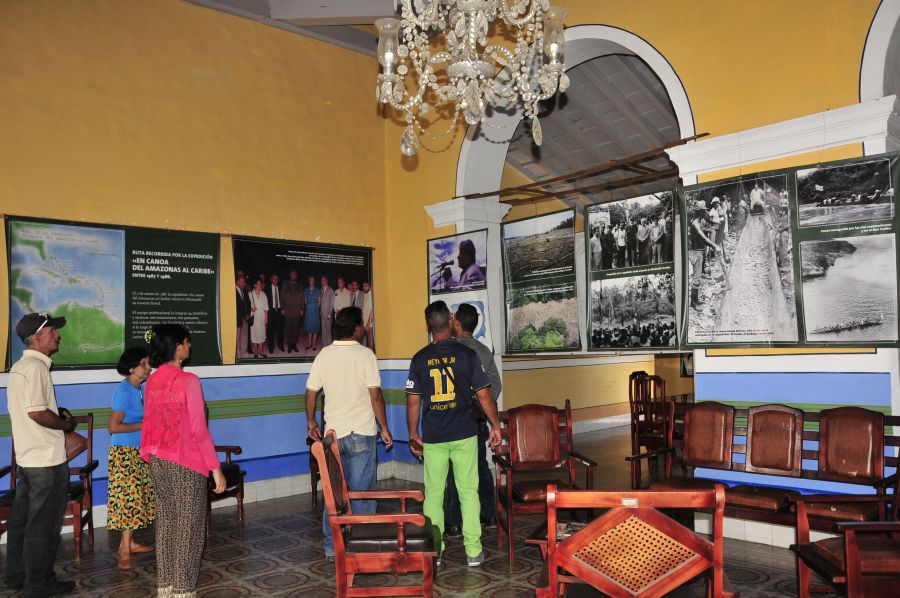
[633, 549]
[374, 543]
[535, 438]
[234, 484]
[864, 560]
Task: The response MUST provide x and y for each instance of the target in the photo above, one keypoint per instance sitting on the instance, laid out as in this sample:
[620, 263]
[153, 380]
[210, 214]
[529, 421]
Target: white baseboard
[780, 536]
[600, 423]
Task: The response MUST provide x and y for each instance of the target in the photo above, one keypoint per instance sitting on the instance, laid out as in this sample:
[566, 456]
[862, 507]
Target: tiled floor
[277, 552]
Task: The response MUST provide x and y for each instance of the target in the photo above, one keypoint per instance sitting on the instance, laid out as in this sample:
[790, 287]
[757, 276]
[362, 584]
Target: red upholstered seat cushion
[860, 511]
[877, 554]
[534, 490]
[684, 484]
[759, 497]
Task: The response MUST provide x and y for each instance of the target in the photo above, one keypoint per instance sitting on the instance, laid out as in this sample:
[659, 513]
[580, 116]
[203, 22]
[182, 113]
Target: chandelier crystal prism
[438, 52]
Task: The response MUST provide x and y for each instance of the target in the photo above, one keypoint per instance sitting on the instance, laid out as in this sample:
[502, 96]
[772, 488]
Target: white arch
[483, 151]
[875, 59]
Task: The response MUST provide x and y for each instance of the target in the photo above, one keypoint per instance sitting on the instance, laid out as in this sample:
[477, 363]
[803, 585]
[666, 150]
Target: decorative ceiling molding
[866, 122]
[456, 211]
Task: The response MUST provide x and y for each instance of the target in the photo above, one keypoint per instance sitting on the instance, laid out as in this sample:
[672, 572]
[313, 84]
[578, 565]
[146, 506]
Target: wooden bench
[847, 445]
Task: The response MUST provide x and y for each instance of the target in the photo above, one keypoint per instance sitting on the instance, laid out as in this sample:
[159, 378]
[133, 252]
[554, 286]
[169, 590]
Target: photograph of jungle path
[633, 311]
[740, 262]
[541, 297]
[857, 192]
[542, 318]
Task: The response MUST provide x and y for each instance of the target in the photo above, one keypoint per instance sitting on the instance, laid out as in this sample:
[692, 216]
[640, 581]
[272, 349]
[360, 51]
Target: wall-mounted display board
[540, 288]
[631, 281]
[112, 284]
[296, 289]
[458, 263]
[806, 256]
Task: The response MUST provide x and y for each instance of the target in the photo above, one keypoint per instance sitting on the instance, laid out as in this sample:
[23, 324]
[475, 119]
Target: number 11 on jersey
[443, 386]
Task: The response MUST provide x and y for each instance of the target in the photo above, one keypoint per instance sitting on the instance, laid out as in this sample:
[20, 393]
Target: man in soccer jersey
[442, 378]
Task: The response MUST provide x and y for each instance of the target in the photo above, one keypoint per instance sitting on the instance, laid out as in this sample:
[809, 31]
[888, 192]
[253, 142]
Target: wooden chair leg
[804, 578]
[428, 578]
[240, 505]
[509, 537]
[76, 528]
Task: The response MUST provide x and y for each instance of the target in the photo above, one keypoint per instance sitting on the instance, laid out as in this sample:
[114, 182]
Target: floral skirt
[131, 504]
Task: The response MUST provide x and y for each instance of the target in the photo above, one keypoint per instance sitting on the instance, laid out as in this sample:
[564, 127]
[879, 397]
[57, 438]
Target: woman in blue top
[131, 504]
[312, 324]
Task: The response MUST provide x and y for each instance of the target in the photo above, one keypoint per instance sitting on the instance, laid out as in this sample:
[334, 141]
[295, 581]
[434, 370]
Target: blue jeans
[452, 515]
[34, 525]
[358, 458]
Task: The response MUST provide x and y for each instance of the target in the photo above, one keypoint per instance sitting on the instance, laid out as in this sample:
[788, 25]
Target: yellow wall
[170, 115]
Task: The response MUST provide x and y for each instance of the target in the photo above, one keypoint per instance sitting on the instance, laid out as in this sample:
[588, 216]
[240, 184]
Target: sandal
[140, 549]
[124, 563]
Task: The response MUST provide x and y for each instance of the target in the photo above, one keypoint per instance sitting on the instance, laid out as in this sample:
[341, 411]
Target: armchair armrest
[5, 471]
[885, 483]
[416, 495]
[85, 470]
[414, 518]
[649, 454]
[582, 459]
[502, 461]
[870, 526]
[228, 448]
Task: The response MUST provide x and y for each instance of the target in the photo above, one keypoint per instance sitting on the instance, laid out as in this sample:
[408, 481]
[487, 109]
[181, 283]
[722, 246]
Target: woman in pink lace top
[176, 442]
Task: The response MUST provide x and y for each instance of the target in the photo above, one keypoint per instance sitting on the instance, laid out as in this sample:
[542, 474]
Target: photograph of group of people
[632, 232]
[633, 312]
[740, 262]
[458, 263]
[287, 300]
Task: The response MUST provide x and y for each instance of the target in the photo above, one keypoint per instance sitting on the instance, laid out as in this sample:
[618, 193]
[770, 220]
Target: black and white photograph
[633, 311]
[631, 232]
[542, 318]
[458, 263]
[539, 248]
[740, 262]
[850, 289]
[857, 192]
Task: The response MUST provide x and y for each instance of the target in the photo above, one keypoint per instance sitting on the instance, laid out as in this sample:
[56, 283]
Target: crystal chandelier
[462, 68]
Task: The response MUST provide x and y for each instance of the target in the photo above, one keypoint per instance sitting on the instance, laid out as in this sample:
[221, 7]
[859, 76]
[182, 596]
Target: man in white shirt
[41, 467]
[348, 374]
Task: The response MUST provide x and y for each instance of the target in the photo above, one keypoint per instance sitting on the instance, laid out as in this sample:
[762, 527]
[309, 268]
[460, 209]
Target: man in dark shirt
[442, 377]
[463, 324]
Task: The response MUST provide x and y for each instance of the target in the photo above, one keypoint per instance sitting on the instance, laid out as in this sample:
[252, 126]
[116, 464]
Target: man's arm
[695, 224]
[490, 410]
[377, 398]
[48, 419]
[312, 426]
[413, 405]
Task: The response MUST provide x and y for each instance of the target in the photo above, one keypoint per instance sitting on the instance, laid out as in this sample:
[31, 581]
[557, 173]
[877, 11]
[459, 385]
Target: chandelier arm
[424, 21]
[508, 18]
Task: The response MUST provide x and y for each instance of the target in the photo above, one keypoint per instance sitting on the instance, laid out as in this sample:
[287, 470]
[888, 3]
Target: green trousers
[464, 456]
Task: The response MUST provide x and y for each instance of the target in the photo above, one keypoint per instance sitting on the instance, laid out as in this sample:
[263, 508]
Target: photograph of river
[857, 192]
[850, 289]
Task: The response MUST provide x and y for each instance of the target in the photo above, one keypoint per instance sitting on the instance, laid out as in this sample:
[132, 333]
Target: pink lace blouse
[174, 421]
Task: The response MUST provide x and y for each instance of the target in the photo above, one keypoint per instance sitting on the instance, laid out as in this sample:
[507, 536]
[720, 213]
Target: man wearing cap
[698, 244]
[42, 470]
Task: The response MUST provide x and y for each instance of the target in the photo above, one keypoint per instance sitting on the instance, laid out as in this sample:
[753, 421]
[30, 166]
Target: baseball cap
[31, 323]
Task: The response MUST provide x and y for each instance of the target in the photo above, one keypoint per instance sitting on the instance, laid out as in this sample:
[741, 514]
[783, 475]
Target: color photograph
[540, 247]
[457, 263]
[850, 289]
[740, 262]
[846, 193]
[542, 318]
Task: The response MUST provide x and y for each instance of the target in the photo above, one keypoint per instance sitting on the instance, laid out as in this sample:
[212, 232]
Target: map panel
[71, 271]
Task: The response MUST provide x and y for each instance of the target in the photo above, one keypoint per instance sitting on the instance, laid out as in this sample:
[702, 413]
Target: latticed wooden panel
[635, 555]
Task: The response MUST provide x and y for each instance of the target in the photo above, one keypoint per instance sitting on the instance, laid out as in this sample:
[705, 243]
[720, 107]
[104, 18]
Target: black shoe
[453, 531]
[54, 588]
[489, 522]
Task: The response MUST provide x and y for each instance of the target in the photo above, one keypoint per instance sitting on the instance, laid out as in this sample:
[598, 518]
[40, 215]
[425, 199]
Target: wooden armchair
[633, 549]
[535, 438]
[234, 484]
[6, 501]
[79, 499]
[378, 542]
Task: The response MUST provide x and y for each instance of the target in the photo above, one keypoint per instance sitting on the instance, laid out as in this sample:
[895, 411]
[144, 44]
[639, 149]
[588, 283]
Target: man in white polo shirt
[348, 373]
[41, 468]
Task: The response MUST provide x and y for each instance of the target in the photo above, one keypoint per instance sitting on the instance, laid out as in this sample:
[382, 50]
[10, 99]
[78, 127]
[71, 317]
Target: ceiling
[615, 106]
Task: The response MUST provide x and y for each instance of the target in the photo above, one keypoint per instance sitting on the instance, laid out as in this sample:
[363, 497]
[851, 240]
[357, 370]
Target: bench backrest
[845, 444]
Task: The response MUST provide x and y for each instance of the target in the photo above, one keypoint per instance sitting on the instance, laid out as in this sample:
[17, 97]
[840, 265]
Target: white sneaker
[475, 561]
